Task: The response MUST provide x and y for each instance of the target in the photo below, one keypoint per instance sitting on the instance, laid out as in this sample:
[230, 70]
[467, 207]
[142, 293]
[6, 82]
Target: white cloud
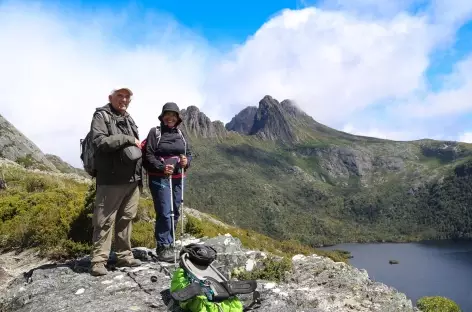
[331, 63]
[379, 133]
[334, 64]
[465, 137]
[56, 72]
[453, 99]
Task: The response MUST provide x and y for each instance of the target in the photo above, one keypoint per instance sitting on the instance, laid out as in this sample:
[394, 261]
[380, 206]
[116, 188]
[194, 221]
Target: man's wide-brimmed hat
[171, 107]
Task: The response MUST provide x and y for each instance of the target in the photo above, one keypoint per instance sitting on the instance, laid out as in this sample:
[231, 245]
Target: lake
[434, 268]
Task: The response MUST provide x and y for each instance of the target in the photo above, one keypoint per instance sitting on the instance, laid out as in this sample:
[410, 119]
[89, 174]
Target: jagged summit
[286, 122]
[243, 121]
[196, 123]
[271, 121]
[268, 121]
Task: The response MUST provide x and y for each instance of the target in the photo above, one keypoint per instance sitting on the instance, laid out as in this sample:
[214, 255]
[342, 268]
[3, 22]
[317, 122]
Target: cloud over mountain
[366, 66]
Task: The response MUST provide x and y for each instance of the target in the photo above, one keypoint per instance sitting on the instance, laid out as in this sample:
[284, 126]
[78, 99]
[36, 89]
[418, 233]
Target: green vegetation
[39, 210]
[255, 241]
[29, 162]
[64, 167]
[272, 269]
[54, 215]
[437, 304]
[332, 190]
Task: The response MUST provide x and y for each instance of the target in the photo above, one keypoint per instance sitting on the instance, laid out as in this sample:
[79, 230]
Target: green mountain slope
[283, 174]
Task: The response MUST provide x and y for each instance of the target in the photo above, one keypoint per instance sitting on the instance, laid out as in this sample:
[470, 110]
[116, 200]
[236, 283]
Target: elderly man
[119, 179]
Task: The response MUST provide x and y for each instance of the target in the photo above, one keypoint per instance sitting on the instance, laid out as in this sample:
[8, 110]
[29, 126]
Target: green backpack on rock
[199, 287]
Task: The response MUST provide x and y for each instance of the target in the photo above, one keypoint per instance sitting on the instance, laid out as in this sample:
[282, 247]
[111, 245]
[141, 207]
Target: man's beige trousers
[115, 205]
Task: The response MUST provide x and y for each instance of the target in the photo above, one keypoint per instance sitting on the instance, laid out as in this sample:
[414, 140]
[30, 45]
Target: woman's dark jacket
[171, 146]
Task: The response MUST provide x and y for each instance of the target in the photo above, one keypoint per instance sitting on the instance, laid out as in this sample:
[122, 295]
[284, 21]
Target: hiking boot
[128, 262]
[165, 254]
[98, 269]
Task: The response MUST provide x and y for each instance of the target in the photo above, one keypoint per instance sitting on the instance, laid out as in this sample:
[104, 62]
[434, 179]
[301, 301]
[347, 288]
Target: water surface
[435, 268]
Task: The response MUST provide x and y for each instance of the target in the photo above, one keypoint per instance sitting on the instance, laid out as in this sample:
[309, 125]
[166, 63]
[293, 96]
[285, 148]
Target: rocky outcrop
[345, 162]
[73, 176]
[197, 124]
[243, 121]
[64, 167]
[271, 123]
[444, 151]
[17, 147]
[313, 284]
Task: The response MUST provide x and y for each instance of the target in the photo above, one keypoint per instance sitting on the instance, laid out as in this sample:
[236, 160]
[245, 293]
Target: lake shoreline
[425, 267]
[401, 241]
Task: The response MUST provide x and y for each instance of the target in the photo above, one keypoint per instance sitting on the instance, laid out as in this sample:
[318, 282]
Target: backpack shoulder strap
[158, 135]
[106, 117]
[183, 139]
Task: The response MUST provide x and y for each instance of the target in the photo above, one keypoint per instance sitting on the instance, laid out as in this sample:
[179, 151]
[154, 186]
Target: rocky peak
[243, 121]
[290, 108]
[17, 147]
[311, 283]
[196, 123]
[271, 122]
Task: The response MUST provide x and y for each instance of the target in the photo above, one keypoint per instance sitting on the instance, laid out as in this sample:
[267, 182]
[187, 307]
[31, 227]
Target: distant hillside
[15, 146]
[64, 167]
[274, 169]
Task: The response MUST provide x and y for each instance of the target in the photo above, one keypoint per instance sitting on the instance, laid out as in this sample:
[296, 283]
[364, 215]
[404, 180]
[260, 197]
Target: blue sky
[393, 69]
[220, 21]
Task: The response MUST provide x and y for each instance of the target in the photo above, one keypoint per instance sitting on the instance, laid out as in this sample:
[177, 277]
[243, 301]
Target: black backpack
[87, 151]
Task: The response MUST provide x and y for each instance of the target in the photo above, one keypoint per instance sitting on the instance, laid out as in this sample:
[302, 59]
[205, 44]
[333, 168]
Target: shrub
[437, 304]
[194, 227]
[143, 234]
[272, 270]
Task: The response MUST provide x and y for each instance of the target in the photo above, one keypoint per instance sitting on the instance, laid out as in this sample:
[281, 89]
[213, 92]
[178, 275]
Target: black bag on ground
[200, 254]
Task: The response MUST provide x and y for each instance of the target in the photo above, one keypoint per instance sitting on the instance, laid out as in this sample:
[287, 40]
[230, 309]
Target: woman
[164, 159]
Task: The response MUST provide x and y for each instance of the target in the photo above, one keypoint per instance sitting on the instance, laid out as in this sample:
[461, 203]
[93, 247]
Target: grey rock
[15, 145]
[315, 284]
[64, 167]
[197, 124]
[6, 163]
[321, 284]
[270, 122]
[243, 121]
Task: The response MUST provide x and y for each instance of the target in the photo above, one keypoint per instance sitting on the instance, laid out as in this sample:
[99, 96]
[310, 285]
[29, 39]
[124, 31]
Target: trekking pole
[172, 219]
[182, 211]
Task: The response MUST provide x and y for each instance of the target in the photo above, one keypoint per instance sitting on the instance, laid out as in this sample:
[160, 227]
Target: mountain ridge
[15, 146]
[243, 122]
[328, 182]
[291, 177]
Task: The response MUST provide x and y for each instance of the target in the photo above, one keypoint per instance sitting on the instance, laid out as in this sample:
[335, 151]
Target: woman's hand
[169, 169]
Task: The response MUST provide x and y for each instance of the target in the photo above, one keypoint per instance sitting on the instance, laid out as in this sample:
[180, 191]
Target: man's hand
[169, 169]
[183, 161]
[136, 141]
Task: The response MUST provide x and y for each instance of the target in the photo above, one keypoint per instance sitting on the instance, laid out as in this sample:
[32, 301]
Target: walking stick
[172, 219]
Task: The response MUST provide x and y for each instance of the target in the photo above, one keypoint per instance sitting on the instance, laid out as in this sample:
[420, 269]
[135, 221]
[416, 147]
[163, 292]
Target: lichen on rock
[312, 283]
